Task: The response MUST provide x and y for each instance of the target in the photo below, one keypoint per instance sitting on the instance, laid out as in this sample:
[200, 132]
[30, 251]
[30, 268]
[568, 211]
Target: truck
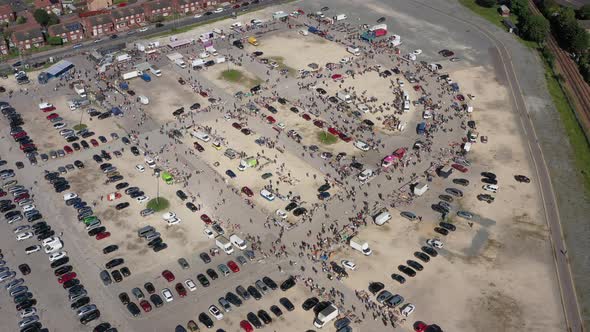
[325, 316]
[223, 243]
[155, 70]
[421, 128]
[237, 242]
[220, 59]
[146, 77]
[80, 90]
[180, 63]
[340, 17]
[382, 218]
[252, 40]
[198, 63]
[420, 188]
[360, 245]
[353, 50]
[345, 97]
[123, 57]
[131, 74]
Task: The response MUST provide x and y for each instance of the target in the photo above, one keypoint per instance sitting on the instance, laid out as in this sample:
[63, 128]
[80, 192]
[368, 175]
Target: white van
[406, 105]
[365, 175]
[237, 242]
[201, 135]
[353, 50]
[267, 195]
[155, 70]
[382, 218]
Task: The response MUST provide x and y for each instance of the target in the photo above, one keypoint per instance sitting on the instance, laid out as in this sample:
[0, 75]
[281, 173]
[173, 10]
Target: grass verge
[232, 75]
[327, 138]
[158, 204]
[80, 127]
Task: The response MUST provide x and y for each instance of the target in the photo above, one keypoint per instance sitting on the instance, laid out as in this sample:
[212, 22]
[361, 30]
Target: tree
[519, 7]
[534, 28]
[583, 13]
[579, 42]
[21, 20]
[55, 40]
[486, 3]
[53, 19]
[41, 17]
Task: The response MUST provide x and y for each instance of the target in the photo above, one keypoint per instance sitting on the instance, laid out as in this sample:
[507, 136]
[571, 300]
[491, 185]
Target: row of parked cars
[27, 146]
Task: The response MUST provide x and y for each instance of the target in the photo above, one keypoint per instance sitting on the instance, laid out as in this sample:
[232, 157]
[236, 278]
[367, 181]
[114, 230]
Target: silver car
[86, 309]
[224, 304]
[18, 290]
[7, 275]
[261, 286]
[223, 269]
[14, 283]
[105, 277]
[28, 321]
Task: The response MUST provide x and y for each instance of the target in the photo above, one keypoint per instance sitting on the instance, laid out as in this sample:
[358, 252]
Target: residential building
[28, 38]
[7, 13]
[51, 6]
[98, 25]
[158, 8]
[71, 32]
[3, 45]
[189, 6]
[126, 18]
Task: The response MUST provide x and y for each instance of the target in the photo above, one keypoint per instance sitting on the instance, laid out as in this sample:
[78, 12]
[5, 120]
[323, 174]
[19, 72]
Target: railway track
[580, 90]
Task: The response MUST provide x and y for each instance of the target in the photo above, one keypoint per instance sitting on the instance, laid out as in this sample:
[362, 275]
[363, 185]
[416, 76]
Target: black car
[253, 319]
[448, 226]
[121, 185]
[375, 287]
[24, 269]
[124, 298]
[430, 251]
[287, 303]
[135, 150]
[415, 265]
[205, 257]
[205, 320]
[439, 208]
[270, 283]
[203, 280]
[522, 178]
[422, 256]
[212, 274]
[276, 310]
[398, 278]
[489, 181]
[103, 327]
[195, 106]
[125, 271]
[159, 247]
[90, 317]
[442, 231]
[80, 302]
[121, 206]
[117, 276]
[264, 316]
[254, 293]
[233, 299]
[133, 309]
[310, 303]
[290, 206]
[110, 249]
[156, 300]
[181, 195]
[114, 262]
[62, 270]
[60, 262]
[287, 284]
[96, 157]
[408, 271]
[299, 211]
[488, 175]
[238, 44]
[96, 231]
[321, 306]
[26, 304]
[71, 283]
[191, 206]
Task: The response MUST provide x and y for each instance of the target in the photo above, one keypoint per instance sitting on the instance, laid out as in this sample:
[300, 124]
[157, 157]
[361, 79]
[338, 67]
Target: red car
[68, 150]
[180, 289]
[94, 142]
[270, 119]
[344, 137]
[236, 6]
[336, 76]
[103, 235]
[199, 147]
[246, 326]
[29, 145]
[306, 116]
[204, 94]
[168, 275]
[2, 193]
[52, 116]
[236, 125]
[19, 135]
[318, 123]
[420, 326]
[145, 305]
[206, 219]
[460, 168]
[66, 277]
[21, 198]
[247, 191]
[301, 12]
[333, 131]
[48, 109]
[233, 266]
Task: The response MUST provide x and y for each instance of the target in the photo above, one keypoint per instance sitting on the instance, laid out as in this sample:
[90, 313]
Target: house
[128, 17]
[7, 13]
[71, 32]
[504, 11]
[51, 6]
[158, 8]
[98, 25]
[28, 38]
[3, 45]
[188, 6]
[512, 28]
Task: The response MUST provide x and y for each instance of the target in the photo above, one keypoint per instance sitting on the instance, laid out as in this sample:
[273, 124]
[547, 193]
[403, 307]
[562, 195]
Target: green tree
[519, 7]
[548, 7]
[53, 19]
[579, 42]
[21, 20]
[54, 40]
[583, 13]
[41, 17]
[486, 3]
[534, 28]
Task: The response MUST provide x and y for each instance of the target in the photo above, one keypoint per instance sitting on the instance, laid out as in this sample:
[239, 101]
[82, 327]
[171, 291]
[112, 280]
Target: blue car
[230, 173]
[324, 195]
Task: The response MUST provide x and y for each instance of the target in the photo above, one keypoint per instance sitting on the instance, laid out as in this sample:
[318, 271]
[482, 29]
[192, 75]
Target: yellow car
[217, 145]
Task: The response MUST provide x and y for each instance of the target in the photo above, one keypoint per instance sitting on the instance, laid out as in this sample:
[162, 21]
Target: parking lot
[305, 180]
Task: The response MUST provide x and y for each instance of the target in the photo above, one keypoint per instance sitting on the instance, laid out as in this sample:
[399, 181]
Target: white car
[32, 249]
[436, 243]
[208, 233]
[24, 236]
[198, 15]
[365, 175]
[140, 168]
[408, 309]
[28, 207]
[348, 264]
[143, 29]
[281, 125]
[281, 214]
[70, 196]
[59, 125]
[400, 83]
[55, 256]
[345, 60]
[267, 195]
[215, 312]
[190, 284]
[167, 294]
[168, 215]
[21, 229]
[28, 312]
[218, 10]
[417, 52]
[491, 187]
[142, 199]
[173, 221]
[427, 115]
[362, 145]
[150, 162]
